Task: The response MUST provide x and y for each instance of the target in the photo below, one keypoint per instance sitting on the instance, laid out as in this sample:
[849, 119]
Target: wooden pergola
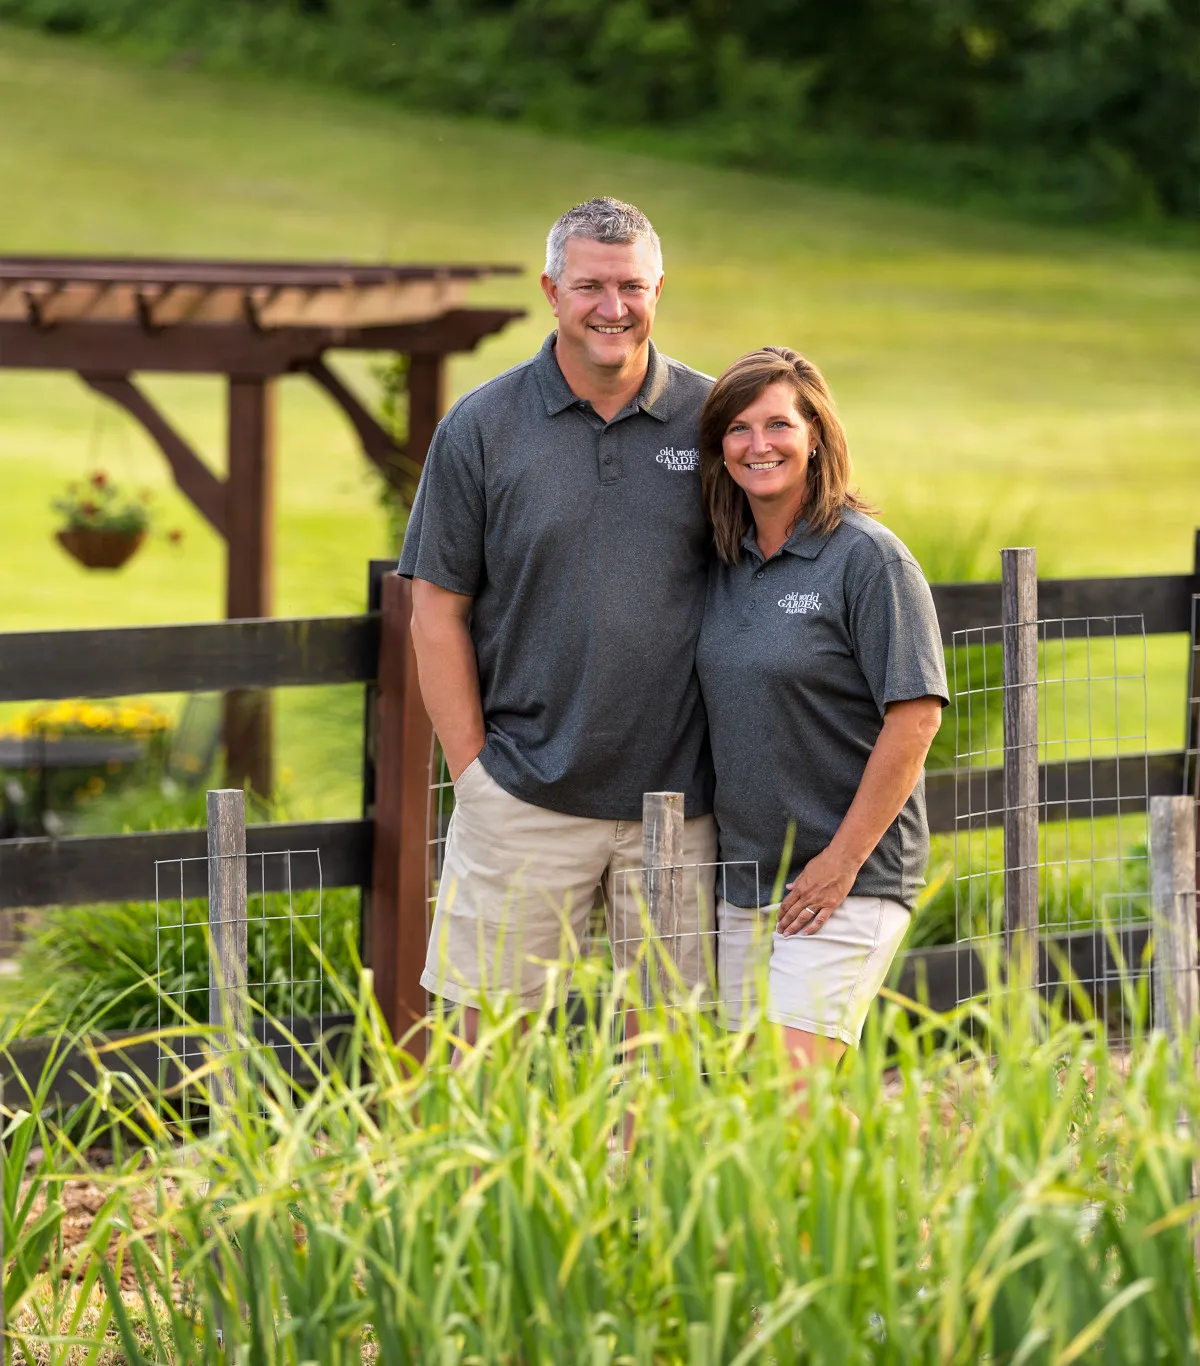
[106, 319]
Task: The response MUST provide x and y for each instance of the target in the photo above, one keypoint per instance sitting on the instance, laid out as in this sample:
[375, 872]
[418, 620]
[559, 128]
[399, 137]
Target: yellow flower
[135, 717]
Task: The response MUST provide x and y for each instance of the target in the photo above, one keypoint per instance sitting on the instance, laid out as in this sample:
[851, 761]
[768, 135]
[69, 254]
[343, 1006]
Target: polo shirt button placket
[608, 465]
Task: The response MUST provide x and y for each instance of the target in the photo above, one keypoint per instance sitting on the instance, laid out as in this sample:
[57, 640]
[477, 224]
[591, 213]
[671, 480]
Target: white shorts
[823, 983]
[519, 884]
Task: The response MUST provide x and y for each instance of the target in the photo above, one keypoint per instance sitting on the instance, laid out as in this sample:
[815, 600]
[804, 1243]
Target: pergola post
[426, 401]
[249, 583]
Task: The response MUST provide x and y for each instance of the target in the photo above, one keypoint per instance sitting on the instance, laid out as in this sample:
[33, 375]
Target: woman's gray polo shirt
[585, 548]
[798, 657]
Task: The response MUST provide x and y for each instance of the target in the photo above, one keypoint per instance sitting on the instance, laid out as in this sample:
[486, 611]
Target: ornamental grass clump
[931, 1203]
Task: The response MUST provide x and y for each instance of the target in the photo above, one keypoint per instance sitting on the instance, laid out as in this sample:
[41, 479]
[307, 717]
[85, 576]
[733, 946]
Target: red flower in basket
[99, 479]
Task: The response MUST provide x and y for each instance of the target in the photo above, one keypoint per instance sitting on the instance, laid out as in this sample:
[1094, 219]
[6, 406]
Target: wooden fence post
[662, 880]
[399, 914]
[1192, 739]
[1173, 901]
[1019, 615]
[227, 1003]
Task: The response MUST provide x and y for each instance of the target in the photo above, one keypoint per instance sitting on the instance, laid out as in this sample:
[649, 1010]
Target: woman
[821, 665]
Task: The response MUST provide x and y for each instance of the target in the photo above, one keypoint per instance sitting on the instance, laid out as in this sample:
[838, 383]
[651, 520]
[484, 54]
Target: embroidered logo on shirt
[801, 603]
[681, 460]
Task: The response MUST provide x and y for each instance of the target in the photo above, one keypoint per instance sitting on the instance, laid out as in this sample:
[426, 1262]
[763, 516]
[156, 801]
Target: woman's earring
[812, 455]
[725, 463]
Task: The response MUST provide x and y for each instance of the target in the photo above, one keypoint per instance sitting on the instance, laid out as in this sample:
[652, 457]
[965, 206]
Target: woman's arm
[887, 783]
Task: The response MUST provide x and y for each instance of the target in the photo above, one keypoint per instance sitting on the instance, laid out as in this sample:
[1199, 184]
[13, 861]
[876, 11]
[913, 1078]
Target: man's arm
[448, 671]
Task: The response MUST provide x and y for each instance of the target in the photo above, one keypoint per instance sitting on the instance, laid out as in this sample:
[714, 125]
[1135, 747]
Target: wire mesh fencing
[664, 929]
[1072, 767]
[239, 956]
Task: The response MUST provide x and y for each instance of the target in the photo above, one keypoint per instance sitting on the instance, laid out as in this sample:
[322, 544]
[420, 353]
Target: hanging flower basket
[98, 548]
[103, 526]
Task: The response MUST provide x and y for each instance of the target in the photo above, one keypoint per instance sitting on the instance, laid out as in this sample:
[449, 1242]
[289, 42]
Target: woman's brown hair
[827, 489]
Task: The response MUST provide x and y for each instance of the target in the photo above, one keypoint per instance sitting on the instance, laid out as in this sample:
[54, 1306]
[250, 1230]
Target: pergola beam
[221, 272]
[192, 476]
[124, 348]
[385, 453]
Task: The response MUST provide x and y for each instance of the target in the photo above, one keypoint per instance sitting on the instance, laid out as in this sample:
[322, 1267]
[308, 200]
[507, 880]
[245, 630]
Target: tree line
[1088, 107]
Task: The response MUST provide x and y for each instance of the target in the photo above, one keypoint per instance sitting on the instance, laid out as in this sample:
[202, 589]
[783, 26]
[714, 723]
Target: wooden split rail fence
[385, 851]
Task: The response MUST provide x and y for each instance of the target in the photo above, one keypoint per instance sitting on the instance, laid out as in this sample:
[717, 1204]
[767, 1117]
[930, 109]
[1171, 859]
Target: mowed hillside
[997, 380]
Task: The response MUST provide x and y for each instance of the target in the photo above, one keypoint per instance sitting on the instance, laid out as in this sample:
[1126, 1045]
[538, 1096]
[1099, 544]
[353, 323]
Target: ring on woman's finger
[810, 910]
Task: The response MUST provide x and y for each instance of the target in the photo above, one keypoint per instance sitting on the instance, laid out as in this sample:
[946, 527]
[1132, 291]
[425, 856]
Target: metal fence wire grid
[238, 949]
[1072, 765]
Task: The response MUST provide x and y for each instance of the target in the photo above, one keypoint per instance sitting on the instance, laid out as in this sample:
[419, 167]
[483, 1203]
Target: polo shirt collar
[801, 543]
[653, 398]
[656, 387]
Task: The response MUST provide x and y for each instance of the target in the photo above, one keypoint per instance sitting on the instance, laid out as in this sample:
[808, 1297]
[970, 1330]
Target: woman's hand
[823, 884]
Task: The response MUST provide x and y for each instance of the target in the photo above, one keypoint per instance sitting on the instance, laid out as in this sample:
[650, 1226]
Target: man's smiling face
[604, 301]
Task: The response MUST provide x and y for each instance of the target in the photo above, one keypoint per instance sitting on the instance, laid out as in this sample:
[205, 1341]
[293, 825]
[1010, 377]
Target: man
[558, 551]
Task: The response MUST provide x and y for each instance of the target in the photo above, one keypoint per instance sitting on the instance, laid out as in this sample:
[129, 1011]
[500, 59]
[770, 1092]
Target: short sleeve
[896, 637]
[444, 540]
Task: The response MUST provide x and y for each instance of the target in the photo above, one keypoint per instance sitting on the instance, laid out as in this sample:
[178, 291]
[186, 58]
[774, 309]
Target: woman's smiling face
[766, 448]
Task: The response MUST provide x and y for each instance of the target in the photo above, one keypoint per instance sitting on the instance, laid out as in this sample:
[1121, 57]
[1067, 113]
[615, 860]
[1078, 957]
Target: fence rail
[307, 651]
[1164, 601]
[85, 868]
[207, 657]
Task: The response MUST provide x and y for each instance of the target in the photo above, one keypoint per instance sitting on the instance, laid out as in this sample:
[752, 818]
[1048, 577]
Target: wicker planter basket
[97, 549]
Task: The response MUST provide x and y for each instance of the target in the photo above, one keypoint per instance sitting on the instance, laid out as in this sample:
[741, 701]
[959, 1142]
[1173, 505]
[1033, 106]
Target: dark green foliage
[102, 962]
[1070, 106]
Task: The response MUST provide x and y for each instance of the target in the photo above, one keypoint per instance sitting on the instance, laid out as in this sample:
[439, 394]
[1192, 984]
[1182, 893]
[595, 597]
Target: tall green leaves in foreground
[1031, 1206]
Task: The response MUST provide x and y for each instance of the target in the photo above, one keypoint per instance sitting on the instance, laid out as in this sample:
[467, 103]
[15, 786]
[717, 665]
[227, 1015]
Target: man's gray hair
[599, 220]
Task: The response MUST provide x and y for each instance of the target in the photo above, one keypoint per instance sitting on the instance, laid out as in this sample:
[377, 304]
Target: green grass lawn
[998, 381]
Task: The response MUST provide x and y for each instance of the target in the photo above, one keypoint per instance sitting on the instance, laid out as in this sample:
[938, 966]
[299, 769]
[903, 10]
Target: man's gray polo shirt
[585, 548]
[798, 657]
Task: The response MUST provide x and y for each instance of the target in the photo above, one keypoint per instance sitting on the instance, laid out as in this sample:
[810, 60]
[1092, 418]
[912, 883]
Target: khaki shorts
[519, 883]
[823, 983]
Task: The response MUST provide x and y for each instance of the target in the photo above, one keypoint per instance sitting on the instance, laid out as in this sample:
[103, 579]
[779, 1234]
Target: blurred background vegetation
[1076, 106]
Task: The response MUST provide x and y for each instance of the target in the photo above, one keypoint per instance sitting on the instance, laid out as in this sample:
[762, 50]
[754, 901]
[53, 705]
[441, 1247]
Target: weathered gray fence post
[1173, 900]
[227, 1008]
[1173, 906]
[1019, 616]
[662, 861]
